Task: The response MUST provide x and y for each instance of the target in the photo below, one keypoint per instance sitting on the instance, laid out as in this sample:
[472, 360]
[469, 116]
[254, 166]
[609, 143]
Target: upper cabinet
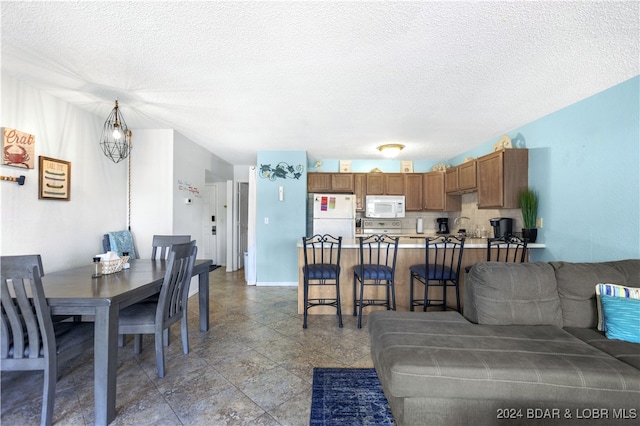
[501, 176]
[330, 182]
[461, 179]
[497, 177]
[467, 176]
[435, 198]
[451, 180]
[385, 184]
[413, 191]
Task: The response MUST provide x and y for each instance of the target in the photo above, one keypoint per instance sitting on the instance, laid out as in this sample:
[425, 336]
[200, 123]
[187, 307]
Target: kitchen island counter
[410, 252]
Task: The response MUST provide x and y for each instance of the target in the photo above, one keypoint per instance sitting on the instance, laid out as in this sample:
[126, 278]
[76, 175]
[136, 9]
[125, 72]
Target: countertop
[417, 241]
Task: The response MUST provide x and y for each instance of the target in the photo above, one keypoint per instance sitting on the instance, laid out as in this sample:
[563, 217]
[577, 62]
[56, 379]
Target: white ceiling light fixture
[391, 150]
[116, 136]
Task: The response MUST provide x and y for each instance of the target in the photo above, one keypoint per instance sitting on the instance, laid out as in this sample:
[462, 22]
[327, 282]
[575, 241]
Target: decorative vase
[530, 234]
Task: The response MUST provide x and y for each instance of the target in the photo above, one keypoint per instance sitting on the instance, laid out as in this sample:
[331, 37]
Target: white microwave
[384, 206]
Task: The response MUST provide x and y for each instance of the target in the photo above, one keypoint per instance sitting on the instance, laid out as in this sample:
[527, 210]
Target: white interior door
[243, 221]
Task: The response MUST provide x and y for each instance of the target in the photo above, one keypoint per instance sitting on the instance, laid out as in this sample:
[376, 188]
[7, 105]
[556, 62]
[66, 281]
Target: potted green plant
[528, 199]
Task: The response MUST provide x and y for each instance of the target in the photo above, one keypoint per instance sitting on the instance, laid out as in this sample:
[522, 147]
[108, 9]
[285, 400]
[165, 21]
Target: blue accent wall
[584, 160]
[276, 251]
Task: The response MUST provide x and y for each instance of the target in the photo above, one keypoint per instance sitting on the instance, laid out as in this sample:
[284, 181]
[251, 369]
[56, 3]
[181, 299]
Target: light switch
[266, 220]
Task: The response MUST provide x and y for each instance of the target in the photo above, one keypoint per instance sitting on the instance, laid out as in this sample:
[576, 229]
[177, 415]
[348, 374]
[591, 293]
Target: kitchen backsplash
[469, 209]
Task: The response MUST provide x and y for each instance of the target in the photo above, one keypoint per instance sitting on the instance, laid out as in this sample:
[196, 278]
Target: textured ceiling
[333, 78]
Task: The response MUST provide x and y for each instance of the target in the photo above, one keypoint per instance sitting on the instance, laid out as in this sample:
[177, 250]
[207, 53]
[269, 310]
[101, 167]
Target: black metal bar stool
[377, 268]
[321, 268]
[443, 256]
[505, 249]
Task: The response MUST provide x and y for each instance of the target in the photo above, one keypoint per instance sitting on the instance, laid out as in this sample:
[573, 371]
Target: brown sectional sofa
[526, 351]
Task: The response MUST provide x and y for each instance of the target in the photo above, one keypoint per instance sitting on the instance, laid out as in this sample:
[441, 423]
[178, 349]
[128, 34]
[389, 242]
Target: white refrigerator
[333, 214]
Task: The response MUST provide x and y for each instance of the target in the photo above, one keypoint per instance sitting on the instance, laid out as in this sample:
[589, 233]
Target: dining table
[75, 292]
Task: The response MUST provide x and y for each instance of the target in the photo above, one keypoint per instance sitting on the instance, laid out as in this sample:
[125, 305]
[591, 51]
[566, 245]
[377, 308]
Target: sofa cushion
[577, 289]
[441, 355]
[630, 269]
[503, 293]
[624, 351]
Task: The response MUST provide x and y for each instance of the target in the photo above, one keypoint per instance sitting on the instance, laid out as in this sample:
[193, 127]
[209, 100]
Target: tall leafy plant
[528, 199]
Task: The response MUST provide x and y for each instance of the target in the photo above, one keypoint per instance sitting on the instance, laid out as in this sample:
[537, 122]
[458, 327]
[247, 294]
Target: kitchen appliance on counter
[375, 226]
[443, 225]
[502, 226]
[384, 206]
[333, 214]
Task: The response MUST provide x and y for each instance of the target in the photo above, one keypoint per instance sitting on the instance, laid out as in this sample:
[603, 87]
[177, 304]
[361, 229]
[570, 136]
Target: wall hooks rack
[19, 179]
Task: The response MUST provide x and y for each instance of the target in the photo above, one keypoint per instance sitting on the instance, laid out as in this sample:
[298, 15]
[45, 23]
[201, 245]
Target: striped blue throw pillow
[621, 318]
[615, 290]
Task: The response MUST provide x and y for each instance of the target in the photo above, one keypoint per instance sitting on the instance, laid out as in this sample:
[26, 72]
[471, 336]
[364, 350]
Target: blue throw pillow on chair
[122, 241]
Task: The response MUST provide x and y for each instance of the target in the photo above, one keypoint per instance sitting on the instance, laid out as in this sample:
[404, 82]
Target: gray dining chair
[155, 318]
[160, 248]
[161, 244]
[29, 338]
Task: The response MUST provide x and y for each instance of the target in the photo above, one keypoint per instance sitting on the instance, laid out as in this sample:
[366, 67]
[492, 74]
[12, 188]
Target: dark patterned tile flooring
[253, 367]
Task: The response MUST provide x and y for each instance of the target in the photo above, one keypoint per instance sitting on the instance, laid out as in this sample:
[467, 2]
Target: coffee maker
[443, 225]
[502, 226]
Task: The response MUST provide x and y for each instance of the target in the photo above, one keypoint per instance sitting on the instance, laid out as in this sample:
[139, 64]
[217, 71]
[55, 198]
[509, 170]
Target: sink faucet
[457, 219]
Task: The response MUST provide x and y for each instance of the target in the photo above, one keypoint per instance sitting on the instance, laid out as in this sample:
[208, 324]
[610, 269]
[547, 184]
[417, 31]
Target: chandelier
[116, 136]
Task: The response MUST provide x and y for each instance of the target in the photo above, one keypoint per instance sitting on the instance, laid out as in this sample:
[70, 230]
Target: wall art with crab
[18, 148]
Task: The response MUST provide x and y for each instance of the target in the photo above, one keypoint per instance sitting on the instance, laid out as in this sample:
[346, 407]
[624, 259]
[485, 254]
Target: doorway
[243, 221]
[214, 223]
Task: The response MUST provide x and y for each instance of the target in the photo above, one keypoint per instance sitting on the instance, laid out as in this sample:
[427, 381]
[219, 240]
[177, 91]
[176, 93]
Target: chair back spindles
[507, 249]
[443, 258]
[161, 244]
[376, 268]
[29, 339]
[321, 268]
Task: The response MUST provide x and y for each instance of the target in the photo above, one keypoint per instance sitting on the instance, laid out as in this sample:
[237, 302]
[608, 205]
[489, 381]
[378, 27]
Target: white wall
[65, 233]
[151, 179]
[168, 168]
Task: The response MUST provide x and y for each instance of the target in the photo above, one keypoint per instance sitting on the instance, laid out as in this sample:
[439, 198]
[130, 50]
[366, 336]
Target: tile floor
[253, 367]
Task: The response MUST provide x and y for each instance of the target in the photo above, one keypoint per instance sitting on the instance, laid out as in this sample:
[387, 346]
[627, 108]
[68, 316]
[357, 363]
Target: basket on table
[115, 265]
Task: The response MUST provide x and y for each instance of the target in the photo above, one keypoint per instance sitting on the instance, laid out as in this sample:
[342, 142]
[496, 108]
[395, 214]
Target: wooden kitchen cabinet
[394, 184]
[330, 182]
[342, 182]
[385, 184]
[451, 180]
[413, 191]
[360, 190]
[461, 179]
[375, 184]
[501, 176]
[434, 196]
[467, 176]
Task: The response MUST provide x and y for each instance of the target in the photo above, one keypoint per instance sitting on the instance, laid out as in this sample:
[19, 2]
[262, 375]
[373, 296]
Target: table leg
[105, 363]
[203, 293]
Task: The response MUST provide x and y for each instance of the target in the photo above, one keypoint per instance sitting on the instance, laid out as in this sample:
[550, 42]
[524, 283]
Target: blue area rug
[348, 396]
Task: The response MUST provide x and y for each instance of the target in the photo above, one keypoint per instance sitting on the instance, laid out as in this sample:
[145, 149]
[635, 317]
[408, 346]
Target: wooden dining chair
[161, 244]
[29, 338]
[160, 248]
[155, 318]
